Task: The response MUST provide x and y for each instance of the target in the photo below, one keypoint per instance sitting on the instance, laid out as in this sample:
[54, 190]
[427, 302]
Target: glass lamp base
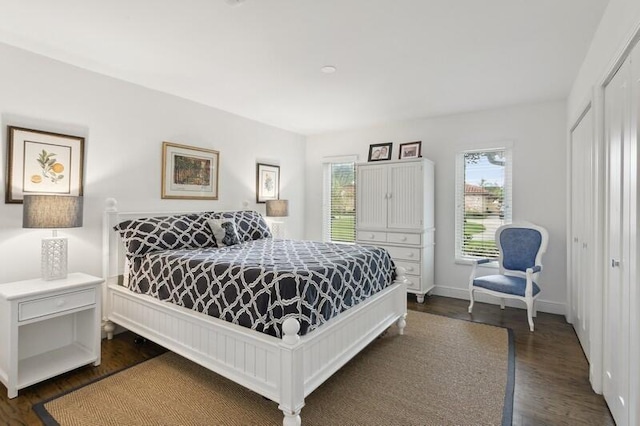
[54, 258]
[278, 229]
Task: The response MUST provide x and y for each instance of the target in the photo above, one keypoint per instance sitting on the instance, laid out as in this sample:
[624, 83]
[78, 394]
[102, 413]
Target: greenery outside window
[483, 201]
[339, 200]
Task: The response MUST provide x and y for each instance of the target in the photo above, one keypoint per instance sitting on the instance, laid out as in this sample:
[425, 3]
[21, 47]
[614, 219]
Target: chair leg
[530, 314]
[535, 310]
[471, 298]
[502, 303]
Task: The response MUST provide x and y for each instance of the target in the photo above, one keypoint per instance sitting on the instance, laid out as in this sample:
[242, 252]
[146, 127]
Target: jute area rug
[441, 372]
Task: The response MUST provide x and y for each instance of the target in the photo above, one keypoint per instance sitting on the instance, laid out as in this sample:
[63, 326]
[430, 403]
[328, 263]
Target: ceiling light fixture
[328, 69]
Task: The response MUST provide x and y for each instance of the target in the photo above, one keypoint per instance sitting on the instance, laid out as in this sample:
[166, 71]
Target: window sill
[490, 265]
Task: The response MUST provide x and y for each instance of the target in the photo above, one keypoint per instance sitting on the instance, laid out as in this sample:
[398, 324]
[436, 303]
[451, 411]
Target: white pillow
[224, 231]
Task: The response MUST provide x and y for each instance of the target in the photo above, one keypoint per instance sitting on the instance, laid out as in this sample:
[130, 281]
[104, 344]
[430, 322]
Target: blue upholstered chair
[521, 248]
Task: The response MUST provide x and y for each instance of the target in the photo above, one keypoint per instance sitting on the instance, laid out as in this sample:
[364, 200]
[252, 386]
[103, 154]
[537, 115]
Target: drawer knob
[60, 302]
[410, 268]
[403, 239]
[372, 236]
[410, 255]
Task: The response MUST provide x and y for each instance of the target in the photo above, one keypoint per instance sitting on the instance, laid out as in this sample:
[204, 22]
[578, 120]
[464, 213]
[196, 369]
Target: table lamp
[52, 212]
[277, 208]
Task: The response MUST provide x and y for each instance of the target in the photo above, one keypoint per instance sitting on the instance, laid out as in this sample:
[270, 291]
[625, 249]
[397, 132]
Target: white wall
[538, 135]
[619, 23]
[124, 126]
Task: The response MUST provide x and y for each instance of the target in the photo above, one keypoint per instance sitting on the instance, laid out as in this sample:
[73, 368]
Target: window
[483, 201]
[339, 206]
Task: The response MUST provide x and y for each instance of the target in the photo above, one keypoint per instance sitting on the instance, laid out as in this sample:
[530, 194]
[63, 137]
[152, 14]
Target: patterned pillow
[142, 236]
[251, 225]
[224, 231]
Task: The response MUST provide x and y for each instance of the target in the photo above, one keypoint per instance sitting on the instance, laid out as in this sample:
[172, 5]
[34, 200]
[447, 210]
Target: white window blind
[483, 201]
[339, 200]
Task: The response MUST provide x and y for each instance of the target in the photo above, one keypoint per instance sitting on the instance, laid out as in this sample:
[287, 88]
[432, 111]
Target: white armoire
[394, 210]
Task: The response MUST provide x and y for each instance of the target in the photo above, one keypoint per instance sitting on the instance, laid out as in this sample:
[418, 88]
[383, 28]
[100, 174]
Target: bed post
[291, 373]
[402, 279]
[110, 211]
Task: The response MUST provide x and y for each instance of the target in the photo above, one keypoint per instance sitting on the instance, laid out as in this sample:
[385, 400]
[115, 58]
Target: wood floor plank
[552, 385]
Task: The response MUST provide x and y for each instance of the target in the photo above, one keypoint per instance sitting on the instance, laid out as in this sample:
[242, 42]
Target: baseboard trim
[458, 293]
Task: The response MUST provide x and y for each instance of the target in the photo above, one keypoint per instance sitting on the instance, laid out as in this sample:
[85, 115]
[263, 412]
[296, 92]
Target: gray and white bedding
[261, 282]
[256, 282]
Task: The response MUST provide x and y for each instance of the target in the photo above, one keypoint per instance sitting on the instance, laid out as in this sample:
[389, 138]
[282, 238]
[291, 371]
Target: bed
[278, 344]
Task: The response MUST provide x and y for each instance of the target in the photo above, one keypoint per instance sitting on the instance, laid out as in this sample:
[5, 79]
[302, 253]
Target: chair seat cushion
[505, 284]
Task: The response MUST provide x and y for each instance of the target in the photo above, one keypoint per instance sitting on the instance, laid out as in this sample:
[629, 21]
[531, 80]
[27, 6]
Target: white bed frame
[284, 370]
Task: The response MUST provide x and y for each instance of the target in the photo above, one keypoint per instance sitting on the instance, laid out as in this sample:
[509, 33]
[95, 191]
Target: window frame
[328, 162]
[460, 200]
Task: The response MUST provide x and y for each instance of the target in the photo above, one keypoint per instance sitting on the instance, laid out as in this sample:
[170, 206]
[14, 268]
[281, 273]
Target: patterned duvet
[258, 284]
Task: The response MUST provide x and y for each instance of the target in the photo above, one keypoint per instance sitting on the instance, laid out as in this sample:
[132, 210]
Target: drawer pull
[60, 302]
[410, 269]
[403, 239]
[372, 236]
[410, 255]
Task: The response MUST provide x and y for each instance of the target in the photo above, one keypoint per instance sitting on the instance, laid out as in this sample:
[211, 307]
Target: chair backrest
[521, 246]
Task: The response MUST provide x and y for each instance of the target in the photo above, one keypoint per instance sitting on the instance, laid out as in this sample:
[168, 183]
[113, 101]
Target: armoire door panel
[372, 192]
[406, 197]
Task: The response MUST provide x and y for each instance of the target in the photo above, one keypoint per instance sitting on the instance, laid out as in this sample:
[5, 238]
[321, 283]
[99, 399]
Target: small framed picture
[410, 150]
[380, 151]
[189, 172]
[43, 163]
[267, 182]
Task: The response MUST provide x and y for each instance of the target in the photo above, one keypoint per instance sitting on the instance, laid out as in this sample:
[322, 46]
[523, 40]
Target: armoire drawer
[372, 236]
[403, 238]
[404, 253]
[413, 282]
[412, 268]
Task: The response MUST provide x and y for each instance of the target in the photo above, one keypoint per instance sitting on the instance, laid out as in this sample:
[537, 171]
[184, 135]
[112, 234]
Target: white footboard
[283, 370]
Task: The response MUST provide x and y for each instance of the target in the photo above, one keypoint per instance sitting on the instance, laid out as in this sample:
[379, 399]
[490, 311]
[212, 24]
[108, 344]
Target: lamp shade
[52, 211]
[277, 208]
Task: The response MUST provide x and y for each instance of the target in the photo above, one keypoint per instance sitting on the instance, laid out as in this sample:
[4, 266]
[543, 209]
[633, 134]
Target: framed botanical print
[189, 172]
[42, 162]
[267, 182]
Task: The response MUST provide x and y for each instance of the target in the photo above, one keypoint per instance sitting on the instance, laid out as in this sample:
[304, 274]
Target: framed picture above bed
[189, 172]
[43, 163]
[267, 182]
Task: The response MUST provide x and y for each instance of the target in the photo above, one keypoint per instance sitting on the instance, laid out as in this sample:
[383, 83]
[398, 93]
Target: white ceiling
[396, 59]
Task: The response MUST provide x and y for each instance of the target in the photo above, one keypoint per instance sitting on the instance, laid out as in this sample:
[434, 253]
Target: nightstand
[48, 328]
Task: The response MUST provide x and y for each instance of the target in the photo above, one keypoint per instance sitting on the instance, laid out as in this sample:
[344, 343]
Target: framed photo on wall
[189, 172]
[42, 162]
[410, 150]
[380, 151]
[267, 182]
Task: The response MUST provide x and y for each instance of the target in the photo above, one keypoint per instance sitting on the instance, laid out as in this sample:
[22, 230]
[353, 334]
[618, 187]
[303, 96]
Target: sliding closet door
[581, 267]
[616, 309]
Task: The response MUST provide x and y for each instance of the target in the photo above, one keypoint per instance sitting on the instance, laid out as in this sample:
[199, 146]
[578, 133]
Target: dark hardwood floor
[552, 385]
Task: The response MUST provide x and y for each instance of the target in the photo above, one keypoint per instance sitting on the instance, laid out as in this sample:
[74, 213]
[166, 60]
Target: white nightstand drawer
[401, 238]
[58, 303]
[404, 253]
[372, 236]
